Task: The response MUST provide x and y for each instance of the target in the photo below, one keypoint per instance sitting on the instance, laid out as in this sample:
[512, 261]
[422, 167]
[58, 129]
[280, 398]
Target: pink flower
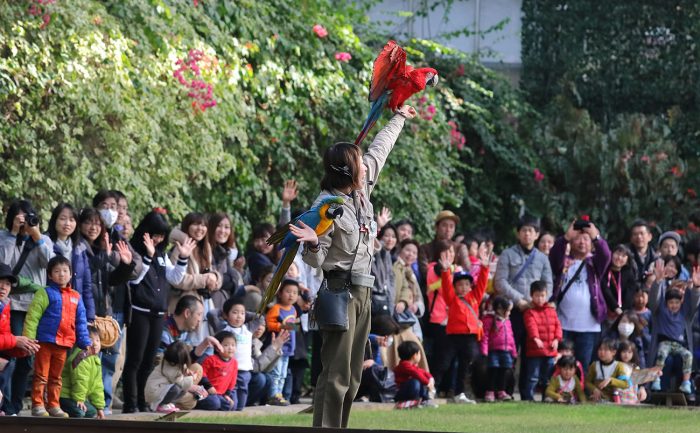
[645, 159]
[692, 193]
[661, 156]
[457, 139]
[320, 31]
[676, 171]
[539, 176]
[429, 112]
[343, 57]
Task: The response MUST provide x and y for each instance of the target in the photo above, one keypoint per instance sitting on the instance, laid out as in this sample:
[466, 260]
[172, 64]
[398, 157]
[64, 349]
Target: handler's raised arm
[379, 150]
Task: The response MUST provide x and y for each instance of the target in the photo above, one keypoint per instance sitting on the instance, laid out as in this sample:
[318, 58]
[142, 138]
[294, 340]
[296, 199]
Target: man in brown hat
[446, 224]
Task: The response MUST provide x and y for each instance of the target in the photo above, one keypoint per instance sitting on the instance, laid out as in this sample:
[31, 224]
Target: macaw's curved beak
[334, 212]
[433, 81]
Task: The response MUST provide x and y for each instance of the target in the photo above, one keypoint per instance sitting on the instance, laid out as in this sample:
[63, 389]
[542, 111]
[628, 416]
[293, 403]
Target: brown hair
[440, 247]
[214, 221]
[202, 253]
[341, 166]
[90, 214]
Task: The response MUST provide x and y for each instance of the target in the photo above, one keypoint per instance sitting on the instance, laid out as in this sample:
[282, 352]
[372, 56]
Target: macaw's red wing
[390, 64]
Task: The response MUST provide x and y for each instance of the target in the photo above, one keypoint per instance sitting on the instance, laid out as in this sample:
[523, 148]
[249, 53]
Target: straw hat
[446, 214]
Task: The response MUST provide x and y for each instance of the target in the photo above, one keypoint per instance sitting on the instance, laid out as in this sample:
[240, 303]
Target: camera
[581, 224]
[31, 219]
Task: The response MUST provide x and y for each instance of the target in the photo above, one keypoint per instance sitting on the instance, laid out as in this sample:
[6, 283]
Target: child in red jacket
[498, 344]
[10, 345]
[464, 329]
[543, 336]
[221, 369]
[415, 384]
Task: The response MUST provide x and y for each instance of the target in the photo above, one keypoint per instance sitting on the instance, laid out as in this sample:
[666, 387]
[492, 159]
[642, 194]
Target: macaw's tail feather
[277, 236]
[278, 276]
[374, 114]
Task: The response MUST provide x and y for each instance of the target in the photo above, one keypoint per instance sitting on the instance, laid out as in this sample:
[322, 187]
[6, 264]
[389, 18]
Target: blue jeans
[17, 372]
[287, 386]
[215, 402]
[584, 345]
[109, 361]
[278, 375]
[412, 389]
[258, 388]
[5, 376]
[538, 370]
[241, 390]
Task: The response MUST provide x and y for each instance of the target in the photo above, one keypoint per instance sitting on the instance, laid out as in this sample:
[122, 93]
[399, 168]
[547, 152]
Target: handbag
[405, 319]
[380, 302]
[330, 309]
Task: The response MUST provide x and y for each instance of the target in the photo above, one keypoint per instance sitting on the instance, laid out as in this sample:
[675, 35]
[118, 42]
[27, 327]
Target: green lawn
[506, 417]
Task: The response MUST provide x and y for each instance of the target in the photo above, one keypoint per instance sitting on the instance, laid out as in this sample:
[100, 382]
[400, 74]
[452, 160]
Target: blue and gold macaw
[320, 218]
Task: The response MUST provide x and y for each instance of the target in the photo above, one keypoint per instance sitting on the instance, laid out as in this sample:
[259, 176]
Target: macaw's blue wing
[278, 276]
[375, 113]
[311, 218]
[288, 242]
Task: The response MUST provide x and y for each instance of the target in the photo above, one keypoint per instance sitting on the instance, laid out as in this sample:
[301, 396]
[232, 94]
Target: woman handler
[348, 247]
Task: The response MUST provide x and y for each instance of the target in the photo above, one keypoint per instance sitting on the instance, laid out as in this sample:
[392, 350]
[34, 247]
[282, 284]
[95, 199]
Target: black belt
[337, 274]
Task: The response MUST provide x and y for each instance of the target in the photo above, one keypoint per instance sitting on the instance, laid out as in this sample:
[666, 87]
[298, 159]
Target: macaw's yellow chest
[325, 223]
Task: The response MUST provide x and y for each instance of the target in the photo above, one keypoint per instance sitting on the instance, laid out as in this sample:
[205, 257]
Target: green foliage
[623, 56]
[90, 102]
[498, 154]
[617, 83]
[615, 176]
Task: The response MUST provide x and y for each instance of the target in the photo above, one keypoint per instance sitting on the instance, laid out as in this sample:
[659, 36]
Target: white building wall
[498, 49]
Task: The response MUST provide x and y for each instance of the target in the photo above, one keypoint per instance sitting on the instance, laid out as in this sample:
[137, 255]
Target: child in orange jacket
[464, 329]
[281, 316]
[56, 318]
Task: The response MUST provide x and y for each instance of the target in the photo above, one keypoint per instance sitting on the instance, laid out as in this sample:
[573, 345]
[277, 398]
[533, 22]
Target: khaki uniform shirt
[356, 228]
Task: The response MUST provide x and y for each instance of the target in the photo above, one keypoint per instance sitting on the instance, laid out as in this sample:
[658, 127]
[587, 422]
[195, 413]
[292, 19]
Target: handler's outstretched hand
[407, 111]
[304, 233]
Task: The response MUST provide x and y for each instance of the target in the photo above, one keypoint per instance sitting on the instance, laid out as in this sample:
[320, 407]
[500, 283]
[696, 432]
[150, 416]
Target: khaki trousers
[342, 355]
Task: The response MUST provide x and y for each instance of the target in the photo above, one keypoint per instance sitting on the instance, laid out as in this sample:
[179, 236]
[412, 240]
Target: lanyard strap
[618, 285]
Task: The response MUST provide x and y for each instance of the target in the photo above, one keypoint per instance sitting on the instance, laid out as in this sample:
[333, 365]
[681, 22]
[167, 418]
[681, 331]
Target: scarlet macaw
[393, 82]
[320, 217]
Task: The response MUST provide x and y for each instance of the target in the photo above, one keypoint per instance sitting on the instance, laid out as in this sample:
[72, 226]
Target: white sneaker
[461, 399]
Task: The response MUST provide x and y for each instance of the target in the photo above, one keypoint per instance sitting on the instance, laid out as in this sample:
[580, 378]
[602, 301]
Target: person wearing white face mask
[628, 327]
[106, 203]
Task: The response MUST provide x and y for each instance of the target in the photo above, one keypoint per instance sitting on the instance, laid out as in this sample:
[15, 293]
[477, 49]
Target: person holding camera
[27, 252]
[577, 292]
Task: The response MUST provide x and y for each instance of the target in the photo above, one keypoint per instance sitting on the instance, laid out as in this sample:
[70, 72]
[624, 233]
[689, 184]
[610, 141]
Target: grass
[501, 418]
